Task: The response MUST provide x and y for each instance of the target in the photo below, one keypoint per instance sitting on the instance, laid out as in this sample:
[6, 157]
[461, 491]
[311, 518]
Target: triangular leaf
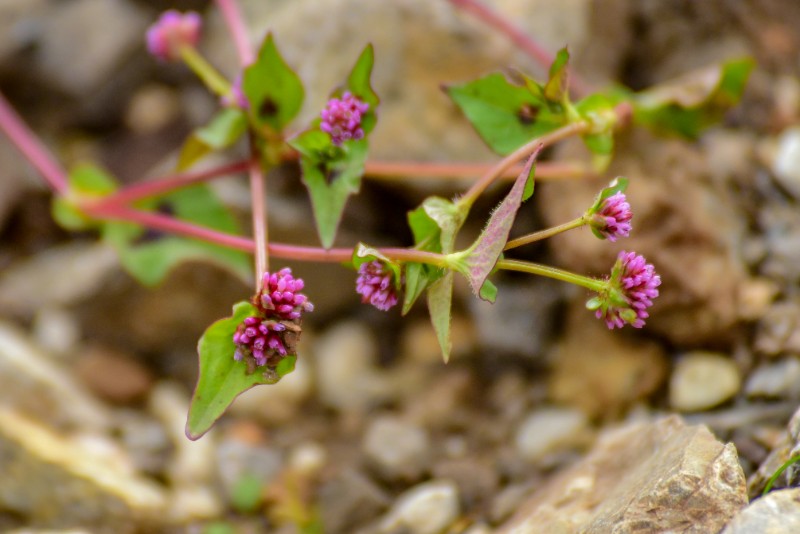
[358, 83]
[506, 116]
[486, 250]
[222, 378]
[440, 297]
[331, 175]
[555, 89]
[273, 89]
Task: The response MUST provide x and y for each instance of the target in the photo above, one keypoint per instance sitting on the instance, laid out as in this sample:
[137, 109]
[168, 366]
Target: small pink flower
[375, 286]
[629, 291]
[611, 219]
[171, 32]
[341, 118]
[265, 338]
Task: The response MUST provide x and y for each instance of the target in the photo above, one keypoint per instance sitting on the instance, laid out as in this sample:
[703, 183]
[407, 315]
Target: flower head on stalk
[271, 334]
[610, 219]
[341, 118]
[171, 32]
[375, 285]
[628, 292]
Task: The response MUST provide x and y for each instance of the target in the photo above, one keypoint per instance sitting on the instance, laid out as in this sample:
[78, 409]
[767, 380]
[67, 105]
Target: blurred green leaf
[358, 83]
[688, 105]
[149, 257]
[427, 236]
[505, 115]
[273, 89]
[84, 182]
[555, 90]
[224, 129]
[222, 378]
[440, 298]
[488, 291]
[246, 495]
[331, 175]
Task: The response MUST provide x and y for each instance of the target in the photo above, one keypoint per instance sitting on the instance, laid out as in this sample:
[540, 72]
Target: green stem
[205, 71]
[544, 234]
[552, 272]
[771, 482]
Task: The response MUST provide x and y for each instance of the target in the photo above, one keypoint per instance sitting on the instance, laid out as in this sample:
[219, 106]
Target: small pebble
[428, 508]
[549, 429]
[703, 380]
[56, 330]
[398, 449]
[780, 379]
[786, 165]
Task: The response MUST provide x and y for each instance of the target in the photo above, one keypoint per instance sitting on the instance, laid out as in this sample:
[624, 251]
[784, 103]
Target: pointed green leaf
[505, 115]
[358, 83]
[448, 216]
[331, 174]
[695, 101]
[273, 89]
[224, 129]
[555, 89]
[486, 250]
[440, 297]
[222, 378]
[150, 258]
[488, 291]
[427, 236]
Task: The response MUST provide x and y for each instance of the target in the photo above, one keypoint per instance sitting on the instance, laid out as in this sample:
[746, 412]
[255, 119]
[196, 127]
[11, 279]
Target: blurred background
[96, 371]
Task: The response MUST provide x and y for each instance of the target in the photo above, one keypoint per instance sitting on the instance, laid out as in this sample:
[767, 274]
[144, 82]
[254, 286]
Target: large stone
[777, 512]
[55, 482]
[658, 476]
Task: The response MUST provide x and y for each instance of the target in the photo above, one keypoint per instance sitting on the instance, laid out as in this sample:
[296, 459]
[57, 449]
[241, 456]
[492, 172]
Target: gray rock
[778, 512]
[646, 477]
[20, 24]
[779, 379]
[703, 380]
[779, 329]
[428, 508]
[84, 41]
[397, 449]
[550, 430]
[56, 482]
[349, 500]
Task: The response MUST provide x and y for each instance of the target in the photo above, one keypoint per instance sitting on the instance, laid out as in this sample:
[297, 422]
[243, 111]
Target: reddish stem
[403, 169]
[233, 19]
[519, 38]
[159, 186]
[31, 147]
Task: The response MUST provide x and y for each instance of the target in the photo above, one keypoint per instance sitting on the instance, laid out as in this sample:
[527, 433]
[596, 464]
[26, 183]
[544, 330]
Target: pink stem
[233, 18]
[544, 170]
[519, 38]
[258, 197]
[32, 148]
[159, 186]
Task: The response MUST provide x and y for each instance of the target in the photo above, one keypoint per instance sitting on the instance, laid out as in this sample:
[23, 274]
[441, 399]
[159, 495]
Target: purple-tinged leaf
[488, 247]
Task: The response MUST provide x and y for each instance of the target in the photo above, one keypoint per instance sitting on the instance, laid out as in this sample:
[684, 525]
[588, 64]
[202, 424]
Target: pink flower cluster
[375, 286]
[611, 220]
[631, 290]
[172, 31]
[265, 337]
[341, 118]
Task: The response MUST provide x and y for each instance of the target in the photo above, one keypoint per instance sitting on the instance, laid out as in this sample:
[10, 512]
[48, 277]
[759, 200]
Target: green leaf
[273, 89]
[224, 129]
[427, 236]
[84, 182]
[358, 83]
[331, 175]
[440, 297]
[150, 259]
[246, 495]
[556, 87]
[688, 105]
[222, 378]
[505, 115]
[448, 216]
[617, 185]
[484, 253]
[488, 291]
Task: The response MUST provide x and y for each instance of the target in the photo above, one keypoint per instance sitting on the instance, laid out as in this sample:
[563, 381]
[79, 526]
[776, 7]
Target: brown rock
[646, 477]
[601, 372]
[775, 513]
[112, 375]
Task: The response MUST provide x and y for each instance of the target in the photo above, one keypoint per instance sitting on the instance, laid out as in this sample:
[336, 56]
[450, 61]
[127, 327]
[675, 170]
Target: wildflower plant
[516, 115]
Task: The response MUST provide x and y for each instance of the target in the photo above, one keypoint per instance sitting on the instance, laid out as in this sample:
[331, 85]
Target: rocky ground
[543, 421]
